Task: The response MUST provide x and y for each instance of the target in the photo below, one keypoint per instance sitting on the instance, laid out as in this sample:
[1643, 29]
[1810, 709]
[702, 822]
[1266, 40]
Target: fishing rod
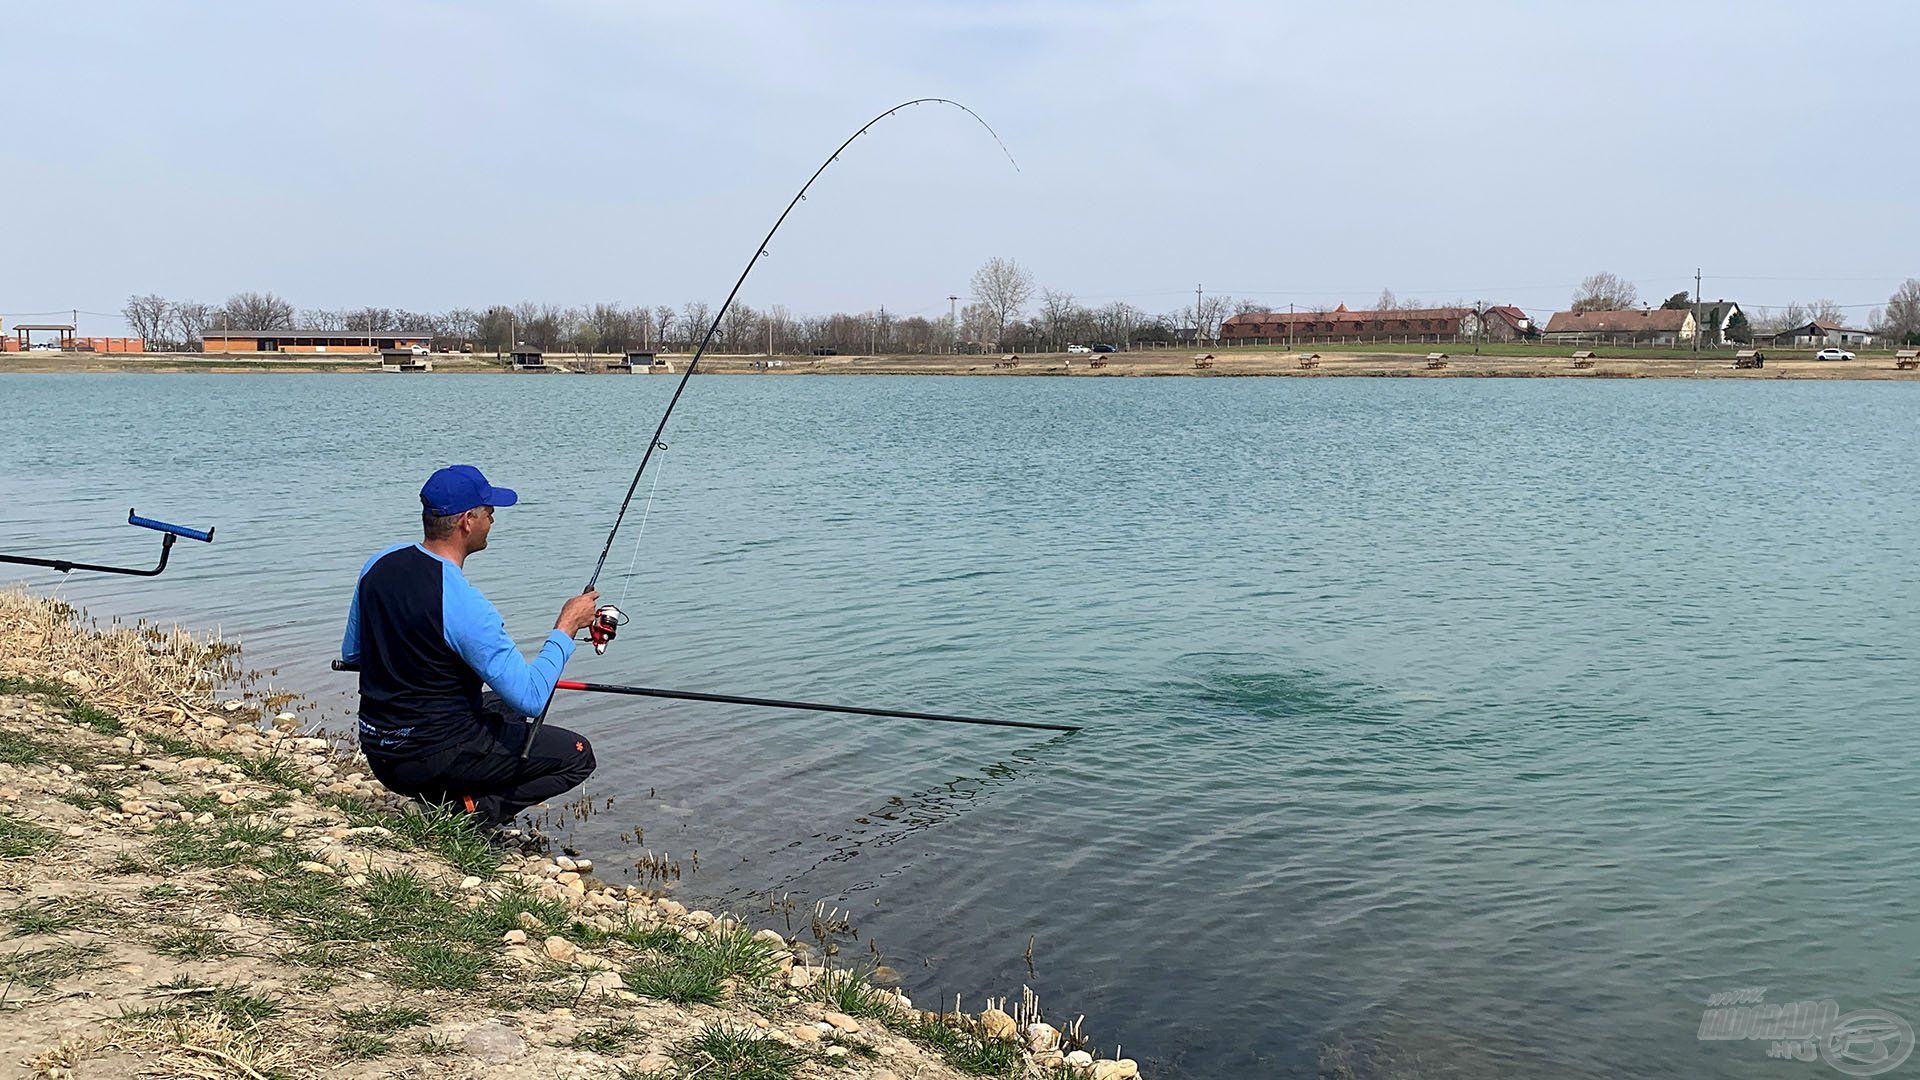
[609, 618]
[170, 533]
[777, 703]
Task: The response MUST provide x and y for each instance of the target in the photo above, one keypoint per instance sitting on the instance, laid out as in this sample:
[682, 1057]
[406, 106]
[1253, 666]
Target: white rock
[493, 1041]
[1080, 1059]
[559, 948]
[515, 937]
[469, 882]
[1042, 1037]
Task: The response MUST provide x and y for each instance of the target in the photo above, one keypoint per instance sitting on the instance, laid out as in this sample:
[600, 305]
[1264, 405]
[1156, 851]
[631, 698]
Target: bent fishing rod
[609, 618]
[776, 703]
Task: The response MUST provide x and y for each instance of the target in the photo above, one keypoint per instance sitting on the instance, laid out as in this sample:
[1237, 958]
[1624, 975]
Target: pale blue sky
[433, 154]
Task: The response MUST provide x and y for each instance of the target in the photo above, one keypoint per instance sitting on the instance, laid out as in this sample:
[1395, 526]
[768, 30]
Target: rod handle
[176, 530]
[342, 665]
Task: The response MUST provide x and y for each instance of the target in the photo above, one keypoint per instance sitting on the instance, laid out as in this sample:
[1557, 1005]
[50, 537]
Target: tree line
[1006, 310]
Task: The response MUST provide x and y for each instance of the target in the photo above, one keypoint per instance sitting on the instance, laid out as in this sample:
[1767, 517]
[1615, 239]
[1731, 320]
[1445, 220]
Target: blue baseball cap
[459, 488]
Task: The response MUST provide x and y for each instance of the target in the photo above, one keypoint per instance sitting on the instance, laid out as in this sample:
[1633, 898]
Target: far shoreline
[1347, 360]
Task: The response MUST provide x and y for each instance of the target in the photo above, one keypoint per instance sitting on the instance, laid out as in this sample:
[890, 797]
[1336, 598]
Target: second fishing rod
[609, 618]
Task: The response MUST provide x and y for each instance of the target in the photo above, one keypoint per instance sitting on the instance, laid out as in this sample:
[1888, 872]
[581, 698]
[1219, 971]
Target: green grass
[22, 839]
[385, 1020]
[963, 1048]
[61, 696]
[435, 965]
[435, 1046]
[41, 968]
[845, 991]
[275, 771]
[19, 749]
[453, 836]
[177, 747]
[93, 793]
[241, 1007]
[33, 917]
[698, 970]
[736, 1053]
[188, 944]
[177, 845]
[609, 1040]
[98, 719]
[359, 1045]
[314, 904]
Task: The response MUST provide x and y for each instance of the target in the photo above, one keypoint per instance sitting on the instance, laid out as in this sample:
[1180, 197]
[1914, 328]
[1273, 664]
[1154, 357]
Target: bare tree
[1057, 310]
[1828, 313]
[1901, 319]
[1605, 291]
[1004, 286]
[187, 323]
[147, 316]
[258, 311]
[663, 320]
[696, 319]
[1210, 313]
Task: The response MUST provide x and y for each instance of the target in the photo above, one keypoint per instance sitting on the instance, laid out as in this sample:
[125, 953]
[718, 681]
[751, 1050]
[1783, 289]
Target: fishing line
[759, 252]
[645, 513]
[608, 620]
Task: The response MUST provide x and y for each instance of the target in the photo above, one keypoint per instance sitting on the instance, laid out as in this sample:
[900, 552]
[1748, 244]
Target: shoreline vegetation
[192, 884]
[1341, 359]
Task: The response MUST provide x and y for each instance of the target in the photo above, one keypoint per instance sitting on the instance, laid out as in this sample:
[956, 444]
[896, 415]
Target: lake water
[1492, 725]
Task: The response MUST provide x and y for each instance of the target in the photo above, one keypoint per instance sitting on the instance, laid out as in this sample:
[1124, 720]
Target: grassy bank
[189, 886]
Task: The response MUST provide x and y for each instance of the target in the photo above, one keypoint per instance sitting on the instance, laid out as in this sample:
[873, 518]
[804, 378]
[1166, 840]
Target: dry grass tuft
[139, 672]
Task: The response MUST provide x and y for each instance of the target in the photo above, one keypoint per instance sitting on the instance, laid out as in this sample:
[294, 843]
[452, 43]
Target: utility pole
[953, 325]
[1696, 309]
[769, 335]
[1196, 314]
[1290, 347]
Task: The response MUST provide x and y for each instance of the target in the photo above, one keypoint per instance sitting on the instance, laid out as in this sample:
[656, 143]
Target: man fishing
[425, 640]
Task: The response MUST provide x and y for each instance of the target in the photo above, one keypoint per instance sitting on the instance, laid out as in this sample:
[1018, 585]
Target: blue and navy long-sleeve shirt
[425, 639]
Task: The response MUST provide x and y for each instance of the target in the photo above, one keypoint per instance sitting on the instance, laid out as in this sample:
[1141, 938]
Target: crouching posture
[425, 640]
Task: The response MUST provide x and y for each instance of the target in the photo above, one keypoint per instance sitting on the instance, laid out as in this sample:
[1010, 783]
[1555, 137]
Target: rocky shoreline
[190, 885]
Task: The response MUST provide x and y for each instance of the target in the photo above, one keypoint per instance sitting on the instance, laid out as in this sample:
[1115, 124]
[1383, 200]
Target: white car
[1079, 348]
[1833, 354]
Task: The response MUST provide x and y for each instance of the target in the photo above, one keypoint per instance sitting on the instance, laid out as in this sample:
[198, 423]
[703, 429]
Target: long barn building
[309, 341]
[1502, 323]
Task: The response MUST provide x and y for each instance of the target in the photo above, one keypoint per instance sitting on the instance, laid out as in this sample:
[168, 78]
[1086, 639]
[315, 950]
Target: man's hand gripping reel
[605, 627]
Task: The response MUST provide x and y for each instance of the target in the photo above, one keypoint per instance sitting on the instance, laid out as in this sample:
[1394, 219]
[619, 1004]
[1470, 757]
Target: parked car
[1078, 349]
[1104, 348]
[421, 350]
[1831, 353]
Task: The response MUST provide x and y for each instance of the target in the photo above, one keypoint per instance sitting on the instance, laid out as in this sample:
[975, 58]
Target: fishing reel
[605, 627]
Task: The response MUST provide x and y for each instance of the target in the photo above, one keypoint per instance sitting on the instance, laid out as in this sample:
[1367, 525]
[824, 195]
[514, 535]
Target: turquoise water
[1489, 724]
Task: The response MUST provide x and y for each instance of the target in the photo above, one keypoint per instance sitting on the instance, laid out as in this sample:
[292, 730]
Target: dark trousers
[484, 775]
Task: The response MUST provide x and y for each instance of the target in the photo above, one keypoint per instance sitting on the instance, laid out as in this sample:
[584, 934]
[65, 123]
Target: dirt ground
[190, 886]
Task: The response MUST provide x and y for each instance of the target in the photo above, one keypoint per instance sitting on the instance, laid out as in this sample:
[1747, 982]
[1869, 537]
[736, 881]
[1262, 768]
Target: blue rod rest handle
[176, 530]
